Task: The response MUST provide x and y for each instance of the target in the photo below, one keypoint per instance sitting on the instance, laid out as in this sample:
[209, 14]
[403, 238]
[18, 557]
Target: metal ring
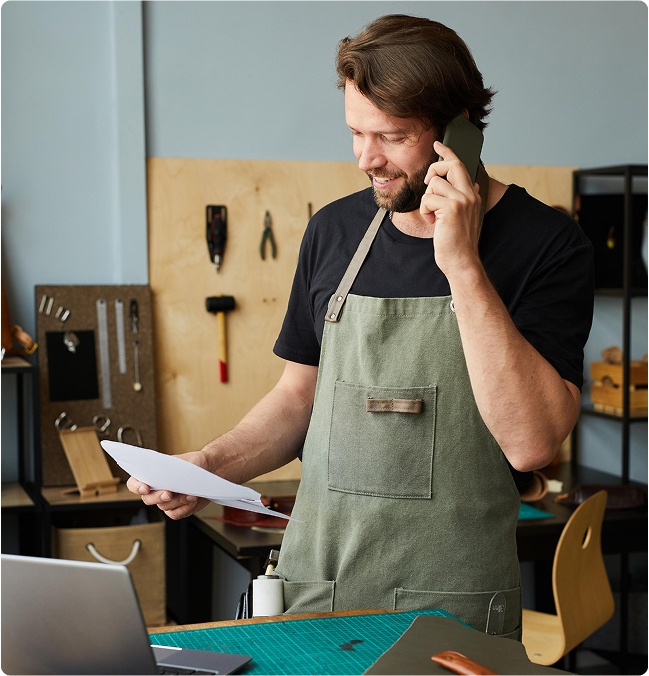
[452, 306]
[61, 425]
[103, 427]
[121, 430]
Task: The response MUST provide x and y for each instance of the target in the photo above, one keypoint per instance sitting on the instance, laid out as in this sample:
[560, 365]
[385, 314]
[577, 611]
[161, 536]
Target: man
[447, 368]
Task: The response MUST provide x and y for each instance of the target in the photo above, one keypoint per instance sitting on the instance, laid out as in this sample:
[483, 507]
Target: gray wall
[73, 157]
[256, 80]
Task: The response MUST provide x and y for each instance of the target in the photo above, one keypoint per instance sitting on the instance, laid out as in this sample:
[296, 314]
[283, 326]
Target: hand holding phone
[451, 202]
[465, 140]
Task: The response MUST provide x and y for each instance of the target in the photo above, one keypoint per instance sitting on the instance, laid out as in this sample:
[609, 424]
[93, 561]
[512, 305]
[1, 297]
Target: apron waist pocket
[308, 597]
[499, 610]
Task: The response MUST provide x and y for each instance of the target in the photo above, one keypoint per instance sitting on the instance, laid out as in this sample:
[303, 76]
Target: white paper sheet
[166, 472]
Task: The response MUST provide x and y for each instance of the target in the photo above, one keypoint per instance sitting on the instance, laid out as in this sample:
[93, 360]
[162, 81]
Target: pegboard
[71, 382]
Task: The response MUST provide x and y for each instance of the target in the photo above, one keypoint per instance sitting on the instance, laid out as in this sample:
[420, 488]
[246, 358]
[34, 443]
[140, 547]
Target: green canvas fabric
[403, 511]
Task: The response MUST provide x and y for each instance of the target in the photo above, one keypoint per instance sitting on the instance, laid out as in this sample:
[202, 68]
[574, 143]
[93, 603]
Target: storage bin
[606, 392]
[119, 544]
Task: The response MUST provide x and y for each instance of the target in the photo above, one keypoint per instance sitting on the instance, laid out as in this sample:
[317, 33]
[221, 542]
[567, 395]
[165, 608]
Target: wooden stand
[88, 463]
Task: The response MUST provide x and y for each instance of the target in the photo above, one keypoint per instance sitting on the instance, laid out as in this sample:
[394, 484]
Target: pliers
[268, 236]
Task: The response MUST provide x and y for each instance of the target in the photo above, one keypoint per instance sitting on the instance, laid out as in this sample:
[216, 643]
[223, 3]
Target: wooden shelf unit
[15, 496]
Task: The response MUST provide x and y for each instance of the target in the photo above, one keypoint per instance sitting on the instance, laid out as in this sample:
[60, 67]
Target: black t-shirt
[537, 258]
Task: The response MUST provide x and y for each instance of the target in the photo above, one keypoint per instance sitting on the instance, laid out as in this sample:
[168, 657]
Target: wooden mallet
[219, 305]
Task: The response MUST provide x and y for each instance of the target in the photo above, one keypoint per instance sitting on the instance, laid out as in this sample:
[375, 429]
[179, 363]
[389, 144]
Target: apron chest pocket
[381, 440]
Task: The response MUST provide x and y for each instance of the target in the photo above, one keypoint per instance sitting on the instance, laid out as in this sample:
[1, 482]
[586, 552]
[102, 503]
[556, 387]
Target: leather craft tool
[219, 305]
[216, 233]
[104, 354]
[268, 590]
[137, 385]
[70, 339]
[133, 316]
[268, 236]
[121, 344]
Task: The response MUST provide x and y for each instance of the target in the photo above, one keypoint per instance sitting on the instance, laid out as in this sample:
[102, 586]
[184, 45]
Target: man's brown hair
[413, 67]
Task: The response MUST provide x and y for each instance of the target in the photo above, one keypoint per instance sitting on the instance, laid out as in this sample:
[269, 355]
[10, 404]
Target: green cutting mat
[331, 645]
[529, 512]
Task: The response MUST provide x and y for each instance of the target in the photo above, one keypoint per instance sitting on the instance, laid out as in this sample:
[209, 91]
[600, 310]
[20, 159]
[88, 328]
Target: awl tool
[219, 305]
[216, 233]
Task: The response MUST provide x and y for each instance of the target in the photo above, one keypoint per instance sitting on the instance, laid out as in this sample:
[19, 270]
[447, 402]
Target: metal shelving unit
[626, 293]
[23, 498]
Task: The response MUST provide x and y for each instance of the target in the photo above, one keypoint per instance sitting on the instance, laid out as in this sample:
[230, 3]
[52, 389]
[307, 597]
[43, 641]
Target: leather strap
[461, 664]
[338, 300]
[394, 405]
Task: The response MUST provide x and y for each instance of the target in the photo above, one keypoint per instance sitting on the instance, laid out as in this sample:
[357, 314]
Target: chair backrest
[582, 592]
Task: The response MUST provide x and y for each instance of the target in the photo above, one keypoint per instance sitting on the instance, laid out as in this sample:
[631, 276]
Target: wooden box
[606, 391]
[117, 544]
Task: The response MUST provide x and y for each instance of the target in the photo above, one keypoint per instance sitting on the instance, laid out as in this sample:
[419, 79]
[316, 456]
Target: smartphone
[465, 140]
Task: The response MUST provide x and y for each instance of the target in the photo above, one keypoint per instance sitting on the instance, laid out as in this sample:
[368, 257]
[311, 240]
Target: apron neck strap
[338, 299]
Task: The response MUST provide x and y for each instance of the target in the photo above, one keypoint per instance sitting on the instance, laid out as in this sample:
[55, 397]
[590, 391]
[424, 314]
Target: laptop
[73, 617]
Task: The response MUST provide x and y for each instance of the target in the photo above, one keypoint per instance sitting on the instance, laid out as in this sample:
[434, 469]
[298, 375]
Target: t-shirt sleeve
[556, 311]
[297, 339]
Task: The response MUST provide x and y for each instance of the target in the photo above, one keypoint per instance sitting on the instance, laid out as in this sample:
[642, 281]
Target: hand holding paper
[166, 472]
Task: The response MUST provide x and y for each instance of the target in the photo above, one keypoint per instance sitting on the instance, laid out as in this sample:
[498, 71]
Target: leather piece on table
[461, 664]
[537, 489]
[429, 635]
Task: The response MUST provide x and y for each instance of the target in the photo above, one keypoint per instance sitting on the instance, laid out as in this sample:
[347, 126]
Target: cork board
[129, 407]
[193, 406]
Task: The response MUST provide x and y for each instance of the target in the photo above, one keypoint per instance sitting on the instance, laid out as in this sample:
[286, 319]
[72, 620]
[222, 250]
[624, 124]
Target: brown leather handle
[460, 664]
[394, 405]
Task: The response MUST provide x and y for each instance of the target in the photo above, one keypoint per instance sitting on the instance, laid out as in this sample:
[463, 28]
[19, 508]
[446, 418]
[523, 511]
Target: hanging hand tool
[121, 340]
[220, 305]
[217, 233]
[268, 236]
[137, 385]
[133, 316]
[104, 353]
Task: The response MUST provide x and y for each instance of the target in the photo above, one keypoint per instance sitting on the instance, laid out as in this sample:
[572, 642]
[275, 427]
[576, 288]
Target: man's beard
[408, 197]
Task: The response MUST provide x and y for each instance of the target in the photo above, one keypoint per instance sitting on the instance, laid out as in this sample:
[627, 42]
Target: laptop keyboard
[178, 670]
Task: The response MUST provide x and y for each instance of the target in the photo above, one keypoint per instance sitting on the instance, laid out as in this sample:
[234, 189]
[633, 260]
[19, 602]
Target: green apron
[407, 498]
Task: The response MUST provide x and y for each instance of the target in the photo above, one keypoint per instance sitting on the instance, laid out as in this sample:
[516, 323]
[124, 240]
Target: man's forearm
[268, 437]
[523, 401]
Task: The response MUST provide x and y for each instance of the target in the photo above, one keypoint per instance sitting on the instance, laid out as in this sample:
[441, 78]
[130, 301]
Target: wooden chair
[582, 593]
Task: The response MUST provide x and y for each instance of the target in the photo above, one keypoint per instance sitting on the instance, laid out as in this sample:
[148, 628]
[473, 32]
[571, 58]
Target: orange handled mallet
[219, 305]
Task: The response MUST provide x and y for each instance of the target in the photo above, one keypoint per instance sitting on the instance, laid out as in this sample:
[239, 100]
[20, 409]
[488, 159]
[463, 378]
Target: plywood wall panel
[193, 406]
[551, 185]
